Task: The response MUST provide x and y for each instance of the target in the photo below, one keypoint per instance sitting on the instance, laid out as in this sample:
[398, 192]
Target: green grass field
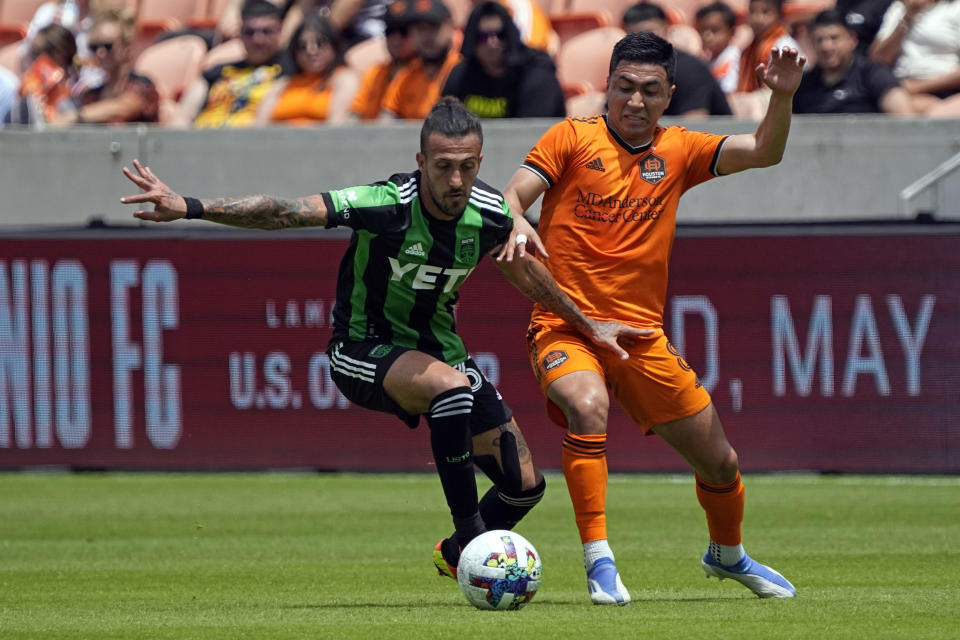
[348, 556]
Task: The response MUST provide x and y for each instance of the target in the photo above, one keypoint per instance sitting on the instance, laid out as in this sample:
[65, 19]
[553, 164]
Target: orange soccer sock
[585, 468]
[724, 506]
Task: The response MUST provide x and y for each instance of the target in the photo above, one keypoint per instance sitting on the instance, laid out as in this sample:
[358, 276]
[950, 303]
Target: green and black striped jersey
[399, 278]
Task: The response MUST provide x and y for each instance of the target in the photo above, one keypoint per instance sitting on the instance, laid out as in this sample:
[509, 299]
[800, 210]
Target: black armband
[194, 208]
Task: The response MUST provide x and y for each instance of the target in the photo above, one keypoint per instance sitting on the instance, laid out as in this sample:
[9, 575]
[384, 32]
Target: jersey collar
[626, 145]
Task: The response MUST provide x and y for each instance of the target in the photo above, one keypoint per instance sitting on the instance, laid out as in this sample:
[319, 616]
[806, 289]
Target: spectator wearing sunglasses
[321, 88]
[499, 76]
[229, 95]
[108, 91]
[368, 100]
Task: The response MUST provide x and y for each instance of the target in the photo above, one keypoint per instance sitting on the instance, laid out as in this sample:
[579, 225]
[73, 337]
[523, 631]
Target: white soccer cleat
[604, 584]
[761, 579]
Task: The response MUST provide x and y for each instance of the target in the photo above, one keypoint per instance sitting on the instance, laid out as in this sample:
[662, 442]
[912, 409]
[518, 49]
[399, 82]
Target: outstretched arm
[533, 280]
[522, 191]
[765, 147]
[252, 212]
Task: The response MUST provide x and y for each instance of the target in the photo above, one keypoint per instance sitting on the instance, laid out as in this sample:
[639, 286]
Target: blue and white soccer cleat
[604, 584]
[761, 579]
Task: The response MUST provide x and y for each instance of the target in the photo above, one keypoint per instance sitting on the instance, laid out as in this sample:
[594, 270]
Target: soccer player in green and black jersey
[416, 238]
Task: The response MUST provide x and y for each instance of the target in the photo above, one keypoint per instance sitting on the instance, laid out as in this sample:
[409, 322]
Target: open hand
[610, 334]
[783, 71]
[523, 231]
[168, 204]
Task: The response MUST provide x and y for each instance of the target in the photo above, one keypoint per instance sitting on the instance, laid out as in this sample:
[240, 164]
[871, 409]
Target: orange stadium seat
[18, 11]
[583, 61]
[459, 11]
[229, 51]
[586, 104]
[573, 23]
[685, 38]
[10, 57]
[12, 32]
[364, 55]
[182, 11]
[172, 64]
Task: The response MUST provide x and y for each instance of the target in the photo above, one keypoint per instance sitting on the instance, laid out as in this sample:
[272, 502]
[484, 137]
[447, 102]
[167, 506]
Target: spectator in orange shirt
[417, 86]
[766, 21]
[368, 100]
[322, 86]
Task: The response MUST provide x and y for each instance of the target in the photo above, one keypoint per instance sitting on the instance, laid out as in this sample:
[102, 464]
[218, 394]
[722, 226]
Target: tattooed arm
[252, 212]
[536, 282]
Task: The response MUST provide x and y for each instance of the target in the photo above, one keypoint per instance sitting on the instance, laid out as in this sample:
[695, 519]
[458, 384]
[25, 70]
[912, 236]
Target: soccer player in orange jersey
[612, 185]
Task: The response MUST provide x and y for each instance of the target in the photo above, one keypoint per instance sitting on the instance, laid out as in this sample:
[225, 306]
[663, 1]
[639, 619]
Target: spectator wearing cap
[416, 87]
[368, 101]
[844, 81]
[500, 77]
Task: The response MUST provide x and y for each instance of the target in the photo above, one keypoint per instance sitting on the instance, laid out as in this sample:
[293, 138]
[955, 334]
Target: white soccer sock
[594, 550]
[725, 554]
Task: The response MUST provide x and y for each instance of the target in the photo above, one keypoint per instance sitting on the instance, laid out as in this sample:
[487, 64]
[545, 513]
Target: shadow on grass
[539, 603]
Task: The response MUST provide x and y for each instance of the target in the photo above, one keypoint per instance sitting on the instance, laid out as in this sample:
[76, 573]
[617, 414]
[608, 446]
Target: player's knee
[448, 380]
[723, 469]
[587, 413]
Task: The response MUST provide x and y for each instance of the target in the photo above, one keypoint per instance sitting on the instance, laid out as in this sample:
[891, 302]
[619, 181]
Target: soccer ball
[499, 570]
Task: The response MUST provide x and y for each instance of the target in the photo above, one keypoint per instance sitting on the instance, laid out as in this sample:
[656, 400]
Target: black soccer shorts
[358, 370]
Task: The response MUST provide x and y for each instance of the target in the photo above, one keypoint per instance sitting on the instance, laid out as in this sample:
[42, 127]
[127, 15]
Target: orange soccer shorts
[655, 385]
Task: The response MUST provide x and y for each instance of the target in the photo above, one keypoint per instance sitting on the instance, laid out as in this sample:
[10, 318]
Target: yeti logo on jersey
[426, 276]
[465, 251]
[653, 169]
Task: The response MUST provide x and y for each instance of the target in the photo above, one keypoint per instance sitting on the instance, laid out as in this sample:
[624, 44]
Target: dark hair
[729, 17]
[451, 119]
[829, 17]
[58, 43]
[321, 26]
[647, 48]
[259, 8]
[644, 11]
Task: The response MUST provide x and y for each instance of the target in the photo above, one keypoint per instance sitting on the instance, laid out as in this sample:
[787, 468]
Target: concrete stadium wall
[835, 169]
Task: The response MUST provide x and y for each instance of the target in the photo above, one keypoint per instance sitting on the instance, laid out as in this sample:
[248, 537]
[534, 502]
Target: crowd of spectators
[301, 62]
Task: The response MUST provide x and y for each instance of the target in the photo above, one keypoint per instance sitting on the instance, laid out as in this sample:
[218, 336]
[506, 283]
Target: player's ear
[421, 161]
[479, 160]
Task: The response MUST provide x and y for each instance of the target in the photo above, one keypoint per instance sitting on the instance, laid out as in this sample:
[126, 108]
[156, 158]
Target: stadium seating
[686, 38]
[11, 32]
[229, 51]
[586, 104]
[583, 61]
[172, 64]
[18, 11]
[365, 54]
[10, 57]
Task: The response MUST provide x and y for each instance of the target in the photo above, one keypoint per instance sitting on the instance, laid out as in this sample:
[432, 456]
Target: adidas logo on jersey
[595, 164]
[415, 250]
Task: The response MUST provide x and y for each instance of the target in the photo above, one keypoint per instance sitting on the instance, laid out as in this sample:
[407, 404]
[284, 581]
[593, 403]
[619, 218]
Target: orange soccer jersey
[609, 213]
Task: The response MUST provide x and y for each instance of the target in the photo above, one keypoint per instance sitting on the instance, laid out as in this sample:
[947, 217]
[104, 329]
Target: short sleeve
[549, 156]
[880, 80]
[703, 153]
[369, 207]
